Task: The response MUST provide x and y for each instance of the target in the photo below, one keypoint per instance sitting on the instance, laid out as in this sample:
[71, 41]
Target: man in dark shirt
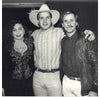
[78, 62]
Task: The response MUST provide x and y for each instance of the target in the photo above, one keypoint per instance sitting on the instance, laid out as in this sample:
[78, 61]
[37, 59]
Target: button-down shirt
[47, 47]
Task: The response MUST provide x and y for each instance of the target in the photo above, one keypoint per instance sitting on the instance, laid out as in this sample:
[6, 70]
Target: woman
[18, 61]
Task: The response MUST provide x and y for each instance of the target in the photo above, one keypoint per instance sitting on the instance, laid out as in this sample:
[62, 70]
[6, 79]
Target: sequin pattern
[21, 66]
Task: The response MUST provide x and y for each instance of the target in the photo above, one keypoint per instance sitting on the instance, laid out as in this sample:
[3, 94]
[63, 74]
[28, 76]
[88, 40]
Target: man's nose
[68, 23]
[45, 20]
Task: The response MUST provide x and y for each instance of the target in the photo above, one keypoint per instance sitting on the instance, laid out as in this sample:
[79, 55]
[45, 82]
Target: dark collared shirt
[69, 64]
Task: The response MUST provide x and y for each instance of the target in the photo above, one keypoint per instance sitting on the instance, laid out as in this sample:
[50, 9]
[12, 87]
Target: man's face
[45, 20]
[69, 23]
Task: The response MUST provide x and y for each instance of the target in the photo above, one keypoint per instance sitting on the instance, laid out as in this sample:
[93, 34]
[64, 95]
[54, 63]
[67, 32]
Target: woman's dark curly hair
[9, 30]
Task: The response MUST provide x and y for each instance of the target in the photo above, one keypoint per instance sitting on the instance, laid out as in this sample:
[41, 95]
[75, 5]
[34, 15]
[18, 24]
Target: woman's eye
[20, 28]
[14, 30]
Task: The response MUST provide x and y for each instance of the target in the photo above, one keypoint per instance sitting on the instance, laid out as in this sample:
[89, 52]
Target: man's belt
[48, 71]
[74, 78]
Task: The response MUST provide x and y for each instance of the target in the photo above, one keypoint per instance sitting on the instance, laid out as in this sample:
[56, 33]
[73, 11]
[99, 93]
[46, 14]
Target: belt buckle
[48, 70]
[76, 78]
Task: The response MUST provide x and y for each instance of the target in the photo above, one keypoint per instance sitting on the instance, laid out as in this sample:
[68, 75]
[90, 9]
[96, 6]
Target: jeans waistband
[47, 70]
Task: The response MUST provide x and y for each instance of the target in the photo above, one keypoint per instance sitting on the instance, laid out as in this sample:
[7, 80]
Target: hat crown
[44, 7]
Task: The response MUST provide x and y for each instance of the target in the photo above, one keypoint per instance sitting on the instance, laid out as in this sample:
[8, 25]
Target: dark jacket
[86, 57]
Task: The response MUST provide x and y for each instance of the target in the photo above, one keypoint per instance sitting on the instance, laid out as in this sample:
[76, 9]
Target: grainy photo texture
[50, 48]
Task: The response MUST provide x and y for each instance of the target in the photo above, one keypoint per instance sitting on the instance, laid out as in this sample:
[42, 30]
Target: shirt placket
[45, 50]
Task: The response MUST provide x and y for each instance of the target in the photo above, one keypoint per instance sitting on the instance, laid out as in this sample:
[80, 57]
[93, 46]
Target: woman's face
[18, 31]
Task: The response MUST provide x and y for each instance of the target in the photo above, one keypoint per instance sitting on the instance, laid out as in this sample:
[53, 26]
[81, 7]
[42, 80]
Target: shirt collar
[73, 36]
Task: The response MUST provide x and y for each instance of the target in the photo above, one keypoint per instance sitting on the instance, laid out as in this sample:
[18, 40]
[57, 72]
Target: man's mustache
[69, 26]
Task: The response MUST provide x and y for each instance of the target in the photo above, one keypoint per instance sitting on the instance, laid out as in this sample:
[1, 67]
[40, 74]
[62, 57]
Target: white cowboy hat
[44, 7]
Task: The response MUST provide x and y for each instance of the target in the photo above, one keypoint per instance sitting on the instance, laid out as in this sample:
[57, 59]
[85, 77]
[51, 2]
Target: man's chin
[69, 31]
[45, 28]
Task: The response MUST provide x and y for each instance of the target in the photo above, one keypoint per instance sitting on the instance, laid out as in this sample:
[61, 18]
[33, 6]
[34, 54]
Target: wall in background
[38, 1]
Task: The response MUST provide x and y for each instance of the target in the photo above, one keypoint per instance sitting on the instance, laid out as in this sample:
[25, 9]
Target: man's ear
[77, 24]
[62, 24]
[38, 23]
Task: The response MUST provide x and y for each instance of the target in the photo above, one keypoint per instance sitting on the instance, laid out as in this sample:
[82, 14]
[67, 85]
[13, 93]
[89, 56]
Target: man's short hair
[69, 12]
[40, 12]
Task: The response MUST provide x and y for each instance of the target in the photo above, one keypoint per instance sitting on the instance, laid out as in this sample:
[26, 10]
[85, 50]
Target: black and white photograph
[50, 48]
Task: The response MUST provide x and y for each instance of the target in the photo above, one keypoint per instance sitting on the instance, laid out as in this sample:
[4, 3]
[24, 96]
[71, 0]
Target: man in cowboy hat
[47, 39]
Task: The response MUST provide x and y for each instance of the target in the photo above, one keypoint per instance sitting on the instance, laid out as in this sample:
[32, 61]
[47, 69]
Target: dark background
[87, 12]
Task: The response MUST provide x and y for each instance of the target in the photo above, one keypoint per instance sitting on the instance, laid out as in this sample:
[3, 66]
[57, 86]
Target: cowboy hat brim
[33, 16]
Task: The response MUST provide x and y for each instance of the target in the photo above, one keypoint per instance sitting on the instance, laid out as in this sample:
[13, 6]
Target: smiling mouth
[18, 35]
[69, 27]
[45, 24]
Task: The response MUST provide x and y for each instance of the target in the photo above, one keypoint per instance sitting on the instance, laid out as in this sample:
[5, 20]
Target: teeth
[69, 27]
[45, 24]
[18, 35]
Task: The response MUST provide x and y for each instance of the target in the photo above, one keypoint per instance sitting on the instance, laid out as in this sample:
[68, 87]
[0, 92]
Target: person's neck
[46, 29]
[19, 40]
[71, 34]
